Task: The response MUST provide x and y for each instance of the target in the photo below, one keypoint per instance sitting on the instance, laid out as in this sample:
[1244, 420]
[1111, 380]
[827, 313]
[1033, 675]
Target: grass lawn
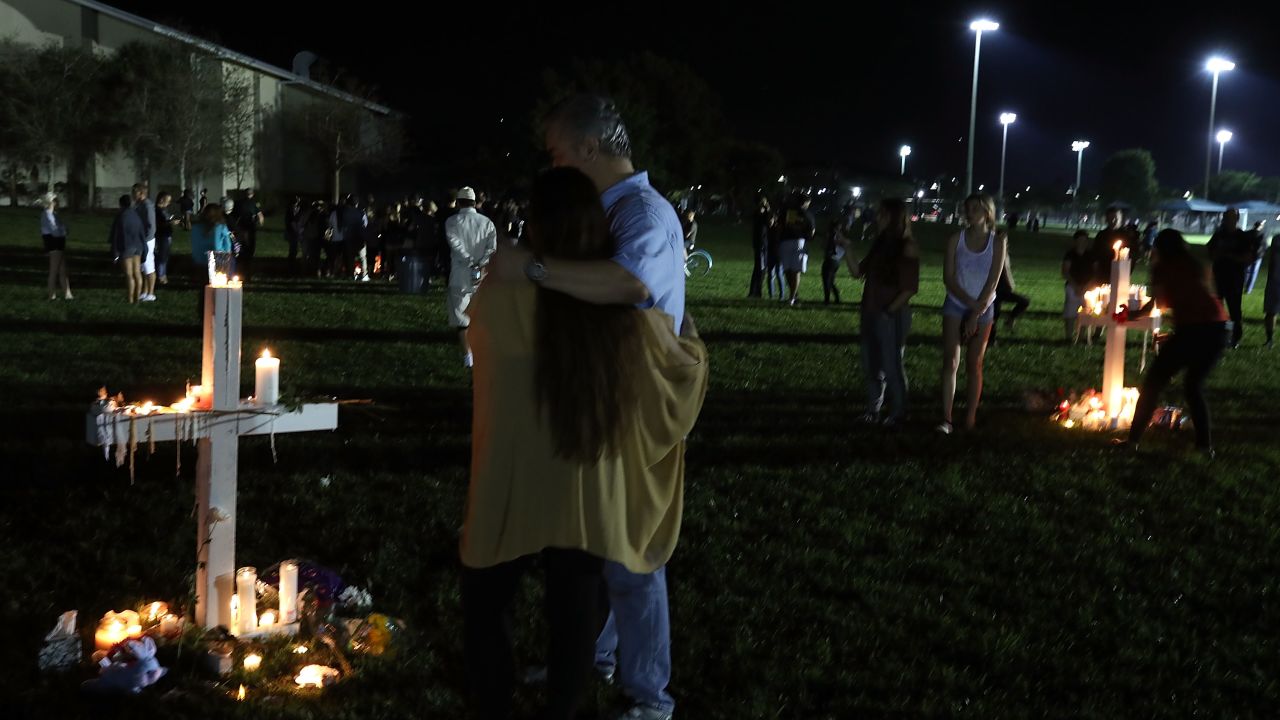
[825, 570]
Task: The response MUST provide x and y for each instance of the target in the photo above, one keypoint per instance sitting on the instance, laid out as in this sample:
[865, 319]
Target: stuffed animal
[128, 668]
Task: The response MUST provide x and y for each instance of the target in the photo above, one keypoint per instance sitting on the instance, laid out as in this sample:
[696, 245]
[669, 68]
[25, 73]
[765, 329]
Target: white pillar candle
[288, 591]
[247, 593]
[267, 379]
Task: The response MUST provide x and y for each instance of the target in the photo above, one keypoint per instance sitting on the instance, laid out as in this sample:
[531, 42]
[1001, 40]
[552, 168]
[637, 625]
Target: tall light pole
[979, 27]
[1078, 148]
[1006, 119]
[1224, 137]
[1217, 66]
[903, 152]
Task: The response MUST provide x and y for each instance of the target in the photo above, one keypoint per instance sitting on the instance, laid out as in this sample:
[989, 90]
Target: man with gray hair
[587, 132]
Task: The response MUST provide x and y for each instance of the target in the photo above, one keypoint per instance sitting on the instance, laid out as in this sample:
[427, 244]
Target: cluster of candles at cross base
[244, 604]
[116, 627]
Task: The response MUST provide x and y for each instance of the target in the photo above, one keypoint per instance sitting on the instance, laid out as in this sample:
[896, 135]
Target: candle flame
[266, 353]
[218, 280]
[1117, 245]
[268, 618]
[240, 694]
[300, 650]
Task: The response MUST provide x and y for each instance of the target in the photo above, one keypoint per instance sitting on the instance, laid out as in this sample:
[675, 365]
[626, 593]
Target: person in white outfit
[971, 270]
[472, 241]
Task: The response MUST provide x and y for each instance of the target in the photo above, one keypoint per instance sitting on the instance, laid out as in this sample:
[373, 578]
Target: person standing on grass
[1231, 250]
[972, 263]
[187, 205]
[1104, 244]
[1180, 284]
[147, 211]
[295, 226]
[164, 237]
[798, 228]
[128, 244]
[473, 239]
[1271, 302]
[1258, 248]
[759, 243]
[1006, 292]
[1077, 272]
[587, 132]
[248, 219]
[891, 271]
[831, 257]
[773, 259]
[53, 233]
[581, 411]
[209, 234]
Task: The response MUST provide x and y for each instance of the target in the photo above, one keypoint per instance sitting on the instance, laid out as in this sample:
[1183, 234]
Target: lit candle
[116, 627]
[267, 379]
[218, 280]
[252, 662]
[240, 694]
[155, 612]
[170, 625]
[316, 676]
[247, 592]
[288, 591]
[267, 620]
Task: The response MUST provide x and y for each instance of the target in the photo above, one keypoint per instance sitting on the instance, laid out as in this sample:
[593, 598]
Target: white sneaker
[467, 360]
[644, 712]
[148, 298]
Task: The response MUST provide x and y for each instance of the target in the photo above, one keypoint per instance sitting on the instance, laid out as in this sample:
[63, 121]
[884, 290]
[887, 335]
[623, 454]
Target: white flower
[356, 598]
[324, 481]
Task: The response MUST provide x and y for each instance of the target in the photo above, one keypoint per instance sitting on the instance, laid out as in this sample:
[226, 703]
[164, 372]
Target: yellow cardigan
[524, 498]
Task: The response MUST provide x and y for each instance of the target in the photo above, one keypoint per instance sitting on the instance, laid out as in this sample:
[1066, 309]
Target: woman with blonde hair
[580, 415]
[972, 264]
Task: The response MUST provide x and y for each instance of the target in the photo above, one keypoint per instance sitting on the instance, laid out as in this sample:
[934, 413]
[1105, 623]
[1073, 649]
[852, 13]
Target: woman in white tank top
[971, 270]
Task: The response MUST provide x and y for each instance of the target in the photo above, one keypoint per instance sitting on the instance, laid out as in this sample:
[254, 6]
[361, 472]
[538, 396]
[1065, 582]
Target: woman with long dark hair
[580, 415]
[891, 270]
[1181, 285]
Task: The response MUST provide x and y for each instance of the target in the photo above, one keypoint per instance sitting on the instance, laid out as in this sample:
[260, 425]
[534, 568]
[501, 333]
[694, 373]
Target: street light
[857, 191]
[1224, 137]
[1217, 66]
[1006, 119]
[1078, 148]
[977, 26]
[903, 152]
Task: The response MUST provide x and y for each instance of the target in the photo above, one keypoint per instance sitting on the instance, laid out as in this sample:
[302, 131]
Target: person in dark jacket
[164, 236]
[759, 242]
[295, 225]
[128, 243]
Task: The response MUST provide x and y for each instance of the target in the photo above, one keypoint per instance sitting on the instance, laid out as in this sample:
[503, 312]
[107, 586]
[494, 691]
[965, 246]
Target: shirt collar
[624, 187]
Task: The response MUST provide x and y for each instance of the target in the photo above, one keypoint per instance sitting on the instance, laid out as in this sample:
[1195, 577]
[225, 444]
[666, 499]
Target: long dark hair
[584, 352]
[1172, 249]
[891, 242]
[212, 216]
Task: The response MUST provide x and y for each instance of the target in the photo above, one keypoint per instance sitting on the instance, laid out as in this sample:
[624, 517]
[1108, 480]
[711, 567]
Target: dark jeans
[163, 247]
[757, 271]
[1229, 278]
[333, 258]
[1005, 295]
[574, 615]
[884, 340]
[772, 275]
[1196, 348]
[248, 248]
[830, 267]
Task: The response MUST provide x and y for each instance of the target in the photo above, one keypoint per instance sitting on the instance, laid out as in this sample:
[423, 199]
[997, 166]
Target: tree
[678, 132]
[344, 134]
[52, 109]
[750, 166]
[1130, 176]
[1233, 186]
[20, 140]
[239, 131]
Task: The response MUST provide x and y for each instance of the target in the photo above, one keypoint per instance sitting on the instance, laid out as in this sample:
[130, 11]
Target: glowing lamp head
[1224, 136]
[1219, 65]
[984, 25]
[904, 151]
[1008, 118]
[1079, 145]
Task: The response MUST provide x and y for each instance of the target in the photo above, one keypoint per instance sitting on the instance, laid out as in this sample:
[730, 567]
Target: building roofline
[231, 55]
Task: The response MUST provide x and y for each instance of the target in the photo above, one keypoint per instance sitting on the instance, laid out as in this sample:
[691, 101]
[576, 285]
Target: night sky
[843, 86]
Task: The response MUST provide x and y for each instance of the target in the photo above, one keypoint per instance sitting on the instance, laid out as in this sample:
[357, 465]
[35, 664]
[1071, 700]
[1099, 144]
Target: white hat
[467, 193]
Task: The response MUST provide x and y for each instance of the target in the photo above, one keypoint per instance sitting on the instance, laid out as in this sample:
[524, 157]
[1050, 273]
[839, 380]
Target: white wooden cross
[216, 424]
[1113, 395]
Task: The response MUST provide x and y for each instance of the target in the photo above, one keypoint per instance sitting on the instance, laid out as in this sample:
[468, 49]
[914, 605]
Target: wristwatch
[535, 271]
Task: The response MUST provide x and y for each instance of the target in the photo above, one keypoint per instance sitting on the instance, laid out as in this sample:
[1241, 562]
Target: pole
[1208, 151]
[1004, 145]
[973, 116]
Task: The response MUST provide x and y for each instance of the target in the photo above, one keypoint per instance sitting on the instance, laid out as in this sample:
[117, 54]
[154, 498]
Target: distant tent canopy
[1199, 206]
